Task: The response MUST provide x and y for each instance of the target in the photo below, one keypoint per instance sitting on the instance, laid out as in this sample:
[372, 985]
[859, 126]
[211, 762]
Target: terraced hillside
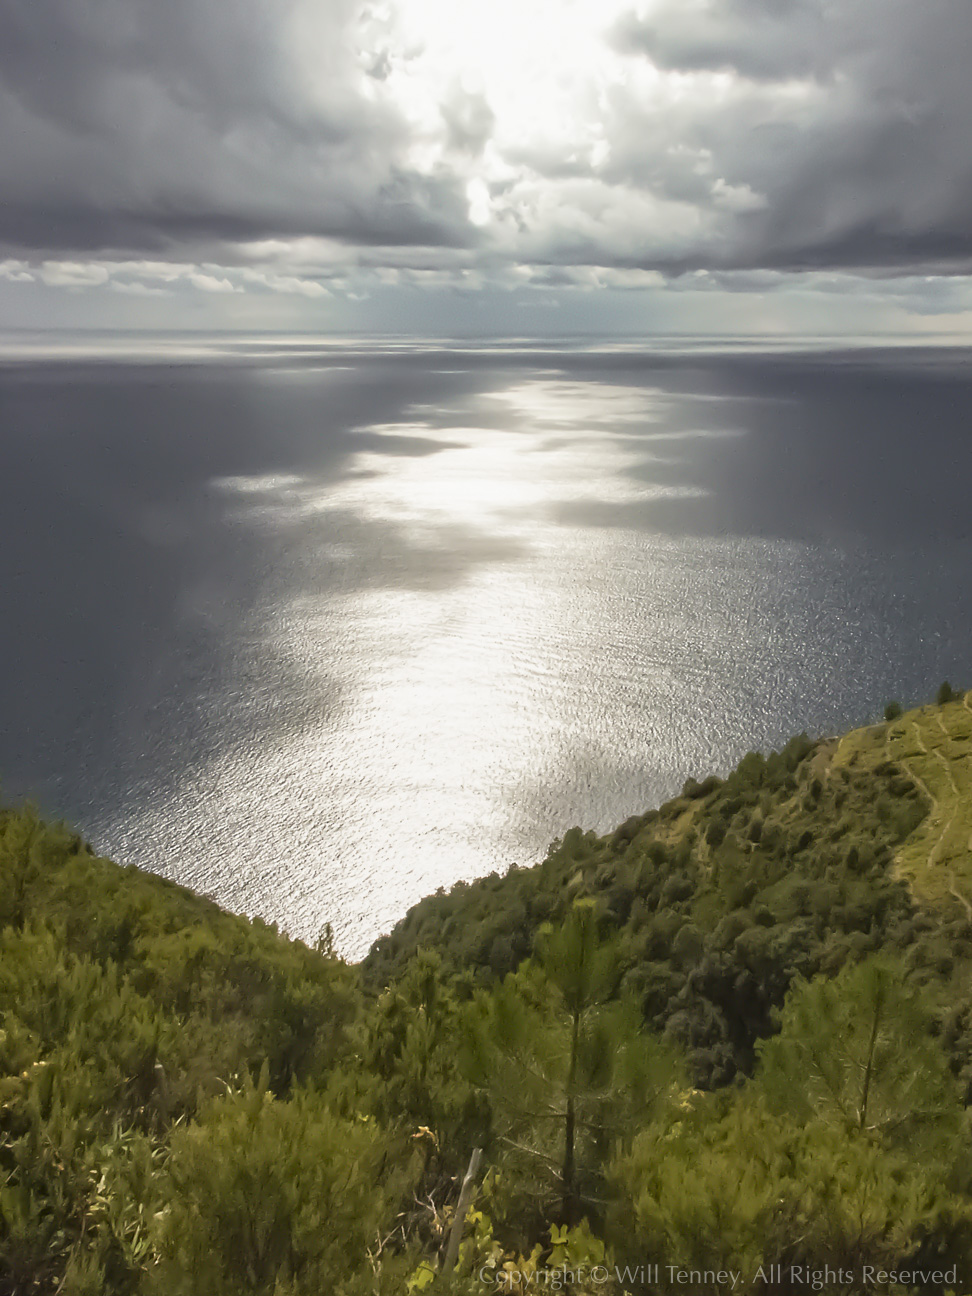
[933, 745]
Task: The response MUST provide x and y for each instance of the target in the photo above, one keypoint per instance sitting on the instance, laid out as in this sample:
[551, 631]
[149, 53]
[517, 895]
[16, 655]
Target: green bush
[261, 1197]
[731, 1186]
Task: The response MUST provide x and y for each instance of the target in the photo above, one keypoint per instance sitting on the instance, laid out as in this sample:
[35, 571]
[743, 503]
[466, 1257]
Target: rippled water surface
[320, 631]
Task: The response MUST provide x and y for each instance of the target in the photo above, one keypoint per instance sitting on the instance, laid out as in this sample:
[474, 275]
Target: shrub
[263, 1197]
[732, 1186]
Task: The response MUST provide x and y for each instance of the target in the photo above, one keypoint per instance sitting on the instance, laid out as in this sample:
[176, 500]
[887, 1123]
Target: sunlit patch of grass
[933, 745]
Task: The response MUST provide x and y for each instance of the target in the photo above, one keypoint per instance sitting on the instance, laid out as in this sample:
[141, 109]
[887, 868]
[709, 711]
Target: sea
[318, 626]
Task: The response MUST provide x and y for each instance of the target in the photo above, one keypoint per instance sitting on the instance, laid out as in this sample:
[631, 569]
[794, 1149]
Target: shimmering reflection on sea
[419, 637]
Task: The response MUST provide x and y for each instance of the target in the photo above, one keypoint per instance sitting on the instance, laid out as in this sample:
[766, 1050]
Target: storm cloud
[849, 120]
[129, 125]
[292, 140]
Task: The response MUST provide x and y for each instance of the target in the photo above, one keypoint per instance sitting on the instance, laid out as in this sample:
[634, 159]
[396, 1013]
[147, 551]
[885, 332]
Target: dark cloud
[782, 134]
[868, 162]
[767, 40]
[129, 124]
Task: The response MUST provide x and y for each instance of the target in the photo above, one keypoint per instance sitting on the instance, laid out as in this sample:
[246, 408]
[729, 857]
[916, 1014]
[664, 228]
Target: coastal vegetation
[731, 1037]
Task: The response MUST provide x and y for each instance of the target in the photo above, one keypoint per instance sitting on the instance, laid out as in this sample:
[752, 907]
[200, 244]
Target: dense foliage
[719, 899]
[731, 1035]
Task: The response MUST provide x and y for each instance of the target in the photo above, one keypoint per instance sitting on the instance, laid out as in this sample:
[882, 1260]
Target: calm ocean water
[318, 630]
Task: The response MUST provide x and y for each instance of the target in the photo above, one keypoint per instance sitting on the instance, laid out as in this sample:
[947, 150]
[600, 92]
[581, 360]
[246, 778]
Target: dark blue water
[318, 631]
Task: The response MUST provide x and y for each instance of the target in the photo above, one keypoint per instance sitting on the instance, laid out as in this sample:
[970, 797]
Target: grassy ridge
[933, 746]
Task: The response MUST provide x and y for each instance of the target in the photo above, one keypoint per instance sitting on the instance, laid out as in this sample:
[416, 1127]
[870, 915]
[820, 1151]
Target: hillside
[737, 1030]
[792, 865]
[932, 746]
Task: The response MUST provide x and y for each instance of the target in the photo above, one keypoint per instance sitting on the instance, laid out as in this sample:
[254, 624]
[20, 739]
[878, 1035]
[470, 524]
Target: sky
[487, 167]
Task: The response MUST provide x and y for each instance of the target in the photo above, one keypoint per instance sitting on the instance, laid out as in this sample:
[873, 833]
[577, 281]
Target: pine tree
[858, 1051]
[567, 1066]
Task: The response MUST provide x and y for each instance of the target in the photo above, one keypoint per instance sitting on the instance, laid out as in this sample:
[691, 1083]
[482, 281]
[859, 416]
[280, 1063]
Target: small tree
[945, 693]
[858, 1051]
[567, 1066]
[844, 1151]
[892, 711]
[733, 1186]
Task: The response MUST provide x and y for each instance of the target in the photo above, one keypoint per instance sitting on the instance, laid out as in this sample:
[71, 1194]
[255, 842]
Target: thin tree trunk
[568, 1200]
[869, 1068]
[465, 1201]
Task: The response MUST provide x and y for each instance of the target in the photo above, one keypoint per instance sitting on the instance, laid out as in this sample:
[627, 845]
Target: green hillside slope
[734, 1032]
[933, 746]
[792, 865]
